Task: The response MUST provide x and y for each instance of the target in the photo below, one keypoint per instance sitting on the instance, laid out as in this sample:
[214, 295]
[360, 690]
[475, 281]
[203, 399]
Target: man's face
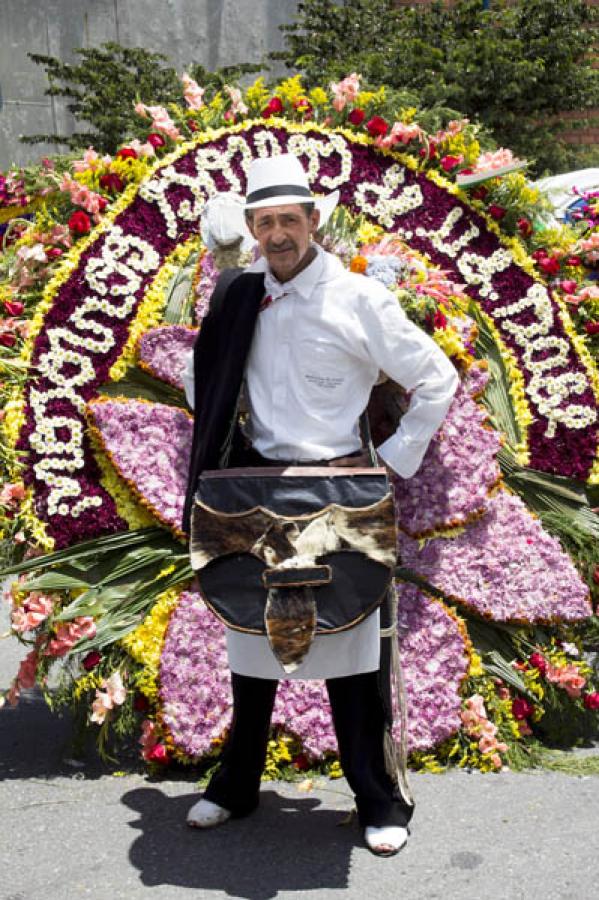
[283, 234]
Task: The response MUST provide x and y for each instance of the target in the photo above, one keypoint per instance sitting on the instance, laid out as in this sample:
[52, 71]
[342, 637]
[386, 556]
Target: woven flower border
[93, 302]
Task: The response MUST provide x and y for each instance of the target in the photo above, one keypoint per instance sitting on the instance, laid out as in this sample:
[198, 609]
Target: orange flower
[358, 264]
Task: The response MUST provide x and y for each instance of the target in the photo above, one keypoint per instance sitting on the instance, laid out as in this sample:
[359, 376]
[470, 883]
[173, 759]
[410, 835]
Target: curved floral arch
[110, 292]
[95, 307]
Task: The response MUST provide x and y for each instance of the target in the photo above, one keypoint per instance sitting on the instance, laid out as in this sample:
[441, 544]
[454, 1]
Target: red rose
[92, 659]
[140, 703]
[596, 575]
[498, 212]
[480, 192]
[449, 162]
[126, 153]
[111, 182]
[158, 753]
[303, 106]
[356, 116]
[574, 261]
[591, 701]
[192, 125]
[53, 252]
[102, 203]
[273, 108]
[550, 265]
[300, 762]
[524, 227]
[7, 339]
[156, 140]
[377, 127]
[79, 223]
[538, 661]
[539, 254]
[521, 708]
[439, 319]
[14, 307]
[591, 327]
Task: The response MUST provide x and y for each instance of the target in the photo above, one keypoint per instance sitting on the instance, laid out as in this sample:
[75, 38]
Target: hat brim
[325, 204]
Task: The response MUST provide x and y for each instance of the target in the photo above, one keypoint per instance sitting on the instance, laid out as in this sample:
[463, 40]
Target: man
[309, 340]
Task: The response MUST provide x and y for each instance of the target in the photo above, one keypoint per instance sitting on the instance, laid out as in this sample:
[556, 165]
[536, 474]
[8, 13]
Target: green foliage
[104, 85]
[515, 67]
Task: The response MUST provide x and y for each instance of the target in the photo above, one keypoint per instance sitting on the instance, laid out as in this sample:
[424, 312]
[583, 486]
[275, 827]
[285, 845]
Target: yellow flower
[364, 98]
[335, 770]
[144, 644]
[476, 665]
[368, 232]
[130, 170]
[257, 94]
[406, 114]
[290, 90]
[318, 97]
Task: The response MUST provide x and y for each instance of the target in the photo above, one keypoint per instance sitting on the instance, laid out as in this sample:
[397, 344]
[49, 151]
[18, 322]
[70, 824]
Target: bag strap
[366, 438]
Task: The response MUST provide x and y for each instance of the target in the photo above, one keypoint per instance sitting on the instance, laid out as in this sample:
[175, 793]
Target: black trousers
[359, 720]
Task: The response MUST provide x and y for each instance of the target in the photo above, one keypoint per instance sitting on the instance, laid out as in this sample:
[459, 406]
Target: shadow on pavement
[288, 844]
[36, 742]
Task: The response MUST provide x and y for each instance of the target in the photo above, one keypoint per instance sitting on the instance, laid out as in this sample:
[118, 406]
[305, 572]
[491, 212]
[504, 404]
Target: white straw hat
[281, 180]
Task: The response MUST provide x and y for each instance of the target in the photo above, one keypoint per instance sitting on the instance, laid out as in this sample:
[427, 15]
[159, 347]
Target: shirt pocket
[323, 370]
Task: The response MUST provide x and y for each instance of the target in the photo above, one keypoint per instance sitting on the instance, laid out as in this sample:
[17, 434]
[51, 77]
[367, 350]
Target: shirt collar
[303, 283]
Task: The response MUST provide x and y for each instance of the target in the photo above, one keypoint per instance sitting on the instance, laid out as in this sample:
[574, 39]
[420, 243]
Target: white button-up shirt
[317, 351]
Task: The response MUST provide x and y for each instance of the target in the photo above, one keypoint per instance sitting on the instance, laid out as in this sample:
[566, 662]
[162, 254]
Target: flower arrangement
[91, 390]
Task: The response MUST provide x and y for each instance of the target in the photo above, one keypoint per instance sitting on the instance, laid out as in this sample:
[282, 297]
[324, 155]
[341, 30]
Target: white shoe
[206, 814]
[386, 840]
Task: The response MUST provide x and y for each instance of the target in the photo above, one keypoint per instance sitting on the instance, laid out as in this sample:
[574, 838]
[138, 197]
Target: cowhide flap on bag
[283, 540]
[232, 546]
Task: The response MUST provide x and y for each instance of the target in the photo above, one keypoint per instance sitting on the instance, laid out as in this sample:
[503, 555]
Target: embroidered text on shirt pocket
[323, 370]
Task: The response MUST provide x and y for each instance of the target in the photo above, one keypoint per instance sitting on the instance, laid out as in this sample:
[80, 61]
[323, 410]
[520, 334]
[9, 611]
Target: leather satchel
[293, 552]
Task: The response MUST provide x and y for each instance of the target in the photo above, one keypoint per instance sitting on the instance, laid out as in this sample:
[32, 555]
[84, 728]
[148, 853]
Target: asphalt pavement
[70, 830]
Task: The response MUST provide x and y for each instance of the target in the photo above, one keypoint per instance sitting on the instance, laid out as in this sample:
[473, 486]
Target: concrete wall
[211, 32]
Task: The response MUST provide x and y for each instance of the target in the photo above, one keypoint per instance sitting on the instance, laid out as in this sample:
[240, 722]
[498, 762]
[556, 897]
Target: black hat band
[278, 190]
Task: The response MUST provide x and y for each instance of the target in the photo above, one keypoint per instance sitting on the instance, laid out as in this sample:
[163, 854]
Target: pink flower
[114, 694]
[192, 92]
[401, 134]
[25, 677]
[91, 160]
[496, 159]
[448, 163]
[151, 749]
[12, 492]
[158, 753]
[68, 634]
[237, 104]
[161, 121]
[146, 149]
[477, 705]
[345, 91]
[32, 613]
